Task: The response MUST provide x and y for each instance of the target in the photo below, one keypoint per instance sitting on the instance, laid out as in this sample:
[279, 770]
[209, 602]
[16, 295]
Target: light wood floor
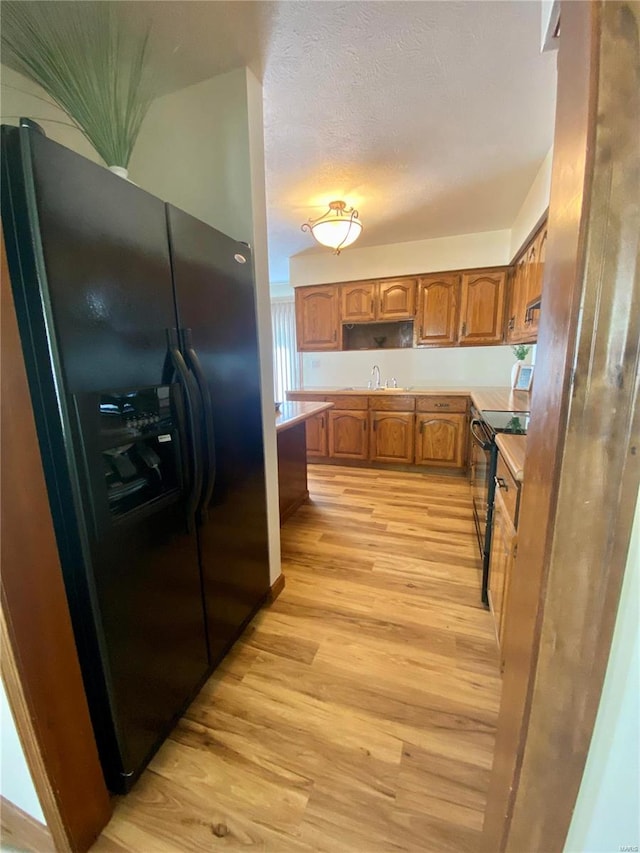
[358, 712]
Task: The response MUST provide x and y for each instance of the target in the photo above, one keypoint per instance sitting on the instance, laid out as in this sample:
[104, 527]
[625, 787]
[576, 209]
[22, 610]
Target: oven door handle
[481, 440]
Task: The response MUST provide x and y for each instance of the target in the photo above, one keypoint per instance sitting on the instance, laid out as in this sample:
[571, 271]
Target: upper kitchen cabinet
[318, 318]
[358, 301]
[525, 288]
[371, 301]
[438, 305]
[397, 299]
[482, 307]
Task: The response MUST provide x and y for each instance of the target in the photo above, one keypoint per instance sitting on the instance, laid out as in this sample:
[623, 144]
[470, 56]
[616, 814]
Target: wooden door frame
[583, 462]
[40, 667]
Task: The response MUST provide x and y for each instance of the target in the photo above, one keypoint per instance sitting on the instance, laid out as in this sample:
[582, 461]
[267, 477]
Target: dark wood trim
[582, 464]
[22, 831]
[530, 236]
[276, 588]
[39, 660]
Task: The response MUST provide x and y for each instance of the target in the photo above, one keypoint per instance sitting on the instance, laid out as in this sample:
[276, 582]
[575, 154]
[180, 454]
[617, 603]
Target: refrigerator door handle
[191, 395]
[207, 405]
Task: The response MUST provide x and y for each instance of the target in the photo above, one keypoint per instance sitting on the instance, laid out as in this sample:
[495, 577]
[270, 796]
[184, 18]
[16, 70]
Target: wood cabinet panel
[438, 307]
[395, 403]
[397, 299]
[503, 547]
[358, 301]
[482, 307]
[509, 490]
[525, 285]
[347, 401]
[441, 403]
[440, 440]
[348, 434]
[318, 318]
[316, 435]
[391, 437]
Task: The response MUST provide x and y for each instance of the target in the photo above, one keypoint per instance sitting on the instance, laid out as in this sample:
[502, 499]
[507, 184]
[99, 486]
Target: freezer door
[214, 286]
[93, 280]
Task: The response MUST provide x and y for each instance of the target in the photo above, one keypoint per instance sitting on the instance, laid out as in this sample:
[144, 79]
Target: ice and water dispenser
[140, 447]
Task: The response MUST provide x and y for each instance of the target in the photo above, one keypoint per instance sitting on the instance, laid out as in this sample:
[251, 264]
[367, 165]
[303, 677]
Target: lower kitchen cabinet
[348, 434]
[441, 439]
[316, 428]
[503, 551]
[391, 437]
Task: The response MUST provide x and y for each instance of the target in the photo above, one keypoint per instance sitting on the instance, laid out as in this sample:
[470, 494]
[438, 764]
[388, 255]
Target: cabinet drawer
[392, 403]
[344, 401]
[509, 490]
[434, 403]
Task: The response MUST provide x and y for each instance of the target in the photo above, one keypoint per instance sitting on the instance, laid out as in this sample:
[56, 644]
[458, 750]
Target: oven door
[481, 478]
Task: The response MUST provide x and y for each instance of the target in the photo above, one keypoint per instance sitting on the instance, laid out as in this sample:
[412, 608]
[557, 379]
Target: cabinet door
[391, 437]
[316, 430]
[482, 307]
[348, 434]
[317, 318]
[441, 440]
[358, 301]
[438, 303]
[396, 299]
[503, 540]
[517, 301]
[535, 285]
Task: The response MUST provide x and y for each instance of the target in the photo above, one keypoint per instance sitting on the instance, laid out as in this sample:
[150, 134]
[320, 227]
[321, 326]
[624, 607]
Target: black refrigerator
[139, 333]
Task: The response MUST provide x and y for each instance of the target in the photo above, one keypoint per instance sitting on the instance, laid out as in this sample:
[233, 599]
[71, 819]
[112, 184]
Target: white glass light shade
[337, 233]
[339, 227]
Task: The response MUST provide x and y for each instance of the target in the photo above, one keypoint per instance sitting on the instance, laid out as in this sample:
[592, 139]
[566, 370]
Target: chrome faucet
[375, 373]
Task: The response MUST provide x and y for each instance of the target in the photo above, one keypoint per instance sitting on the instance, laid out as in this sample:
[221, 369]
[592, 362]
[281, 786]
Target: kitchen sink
[374, 390]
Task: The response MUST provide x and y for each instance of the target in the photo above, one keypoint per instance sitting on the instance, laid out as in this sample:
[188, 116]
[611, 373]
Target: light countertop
[485, 399]
[513, 449]
[291, 413]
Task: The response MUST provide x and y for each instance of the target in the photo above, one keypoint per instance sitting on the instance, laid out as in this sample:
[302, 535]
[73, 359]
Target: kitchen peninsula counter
[292, 453]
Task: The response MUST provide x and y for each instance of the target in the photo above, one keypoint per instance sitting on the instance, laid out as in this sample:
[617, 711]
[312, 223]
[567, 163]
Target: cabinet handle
[375, 425]
[421, 332]
[500, 483]
[512, 324]
[335, 335]
[441, 405]
[464, 330]
[364, 425]
[372, 305]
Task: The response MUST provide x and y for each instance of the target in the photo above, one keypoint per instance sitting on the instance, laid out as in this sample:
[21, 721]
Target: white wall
[202, 149]
[607, 812]
[486, 249]
[534, 205]
[193, 151]
[430, 368]
[21, 98]
[16, 784]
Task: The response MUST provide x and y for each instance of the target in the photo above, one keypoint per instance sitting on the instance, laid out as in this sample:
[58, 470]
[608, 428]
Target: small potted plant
[521, 351]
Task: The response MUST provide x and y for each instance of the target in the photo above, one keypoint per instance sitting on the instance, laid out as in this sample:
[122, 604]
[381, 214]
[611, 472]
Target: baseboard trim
[18, 829]
[276, 588]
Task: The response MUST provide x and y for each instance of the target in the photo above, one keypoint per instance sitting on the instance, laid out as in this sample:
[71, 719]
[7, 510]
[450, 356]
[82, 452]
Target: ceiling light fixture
[337, 228]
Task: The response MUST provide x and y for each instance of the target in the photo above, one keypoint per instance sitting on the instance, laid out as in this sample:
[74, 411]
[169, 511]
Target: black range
[484, 454]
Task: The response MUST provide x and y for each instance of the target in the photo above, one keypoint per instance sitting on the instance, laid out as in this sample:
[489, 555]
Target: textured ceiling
[430, 117]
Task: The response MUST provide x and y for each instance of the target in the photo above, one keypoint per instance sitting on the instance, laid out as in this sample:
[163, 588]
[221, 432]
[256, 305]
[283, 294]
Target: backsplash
[454, 366]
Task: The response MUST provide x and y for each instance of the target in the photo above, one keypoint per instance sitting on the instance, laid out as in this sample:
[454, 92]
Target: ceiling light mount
[337, 228]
